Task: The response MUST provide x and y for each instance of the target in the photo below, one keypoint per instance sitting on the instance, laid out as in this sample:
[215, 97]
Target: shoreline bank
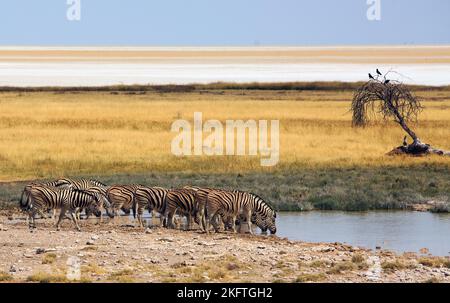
[121, 253]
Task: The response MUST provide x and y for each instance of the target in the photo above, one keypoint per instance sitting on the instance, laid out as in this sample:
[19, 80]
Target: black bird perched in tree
[371, 77]
[404, 142]
[386, 81]
[378, 72]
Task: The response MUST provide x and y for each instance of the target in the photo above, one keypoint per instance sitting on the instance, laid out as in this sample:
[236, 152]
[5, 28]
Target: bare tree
[390, 99]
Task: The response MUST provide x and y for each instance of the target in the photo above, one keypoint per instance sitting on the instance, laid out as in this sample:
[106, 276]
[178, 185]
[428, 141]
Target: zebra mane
[265, 202]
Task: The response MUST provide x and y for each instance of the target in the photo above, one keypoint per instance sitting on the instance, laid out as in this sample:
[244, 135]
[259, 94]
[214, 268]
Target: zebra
[44, 197]
[182, 201]
[233, 204]
[152, 197]
[264, 216]
[201, 194]
[25, 196]
[83, 184]
[122, 197]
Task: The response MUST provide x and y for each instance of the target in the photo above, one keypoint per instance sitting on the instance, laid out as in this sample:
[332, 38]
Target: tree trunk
[405, 127]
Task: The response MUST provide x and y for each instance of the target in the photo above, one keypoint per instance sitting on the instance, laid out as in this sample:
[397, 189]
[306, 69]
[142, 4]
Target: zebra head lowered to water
[264, 215]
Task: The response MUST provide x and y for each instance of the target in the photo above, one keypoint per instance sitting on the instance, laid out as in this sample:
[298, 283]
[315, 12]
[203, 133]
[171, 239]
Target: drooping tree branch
[391, 100]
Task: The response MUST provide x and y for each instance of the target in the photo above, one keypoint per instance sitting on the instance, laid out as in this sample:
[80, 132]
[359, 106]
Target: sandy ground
[120, 252]
[343, 54]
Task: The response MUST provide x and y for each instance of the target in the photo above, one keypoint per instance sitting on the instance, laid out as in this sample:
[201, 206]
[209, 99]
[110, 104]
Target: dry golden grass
[43, 277]
[4, 277]
[54, 134]
[49, 258]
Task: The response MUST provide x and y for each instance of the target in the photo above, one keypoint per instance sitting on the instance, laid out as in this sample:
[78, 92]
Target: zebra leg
[249, 222]
[62, 214]
[78, 213]
[209, 220]
[189, 222]
[214, 224]
[170, 220]
[74, 219]
[140, 213]
[53, 217]
[31, 223]
[202, 220]
[162, 220]
[233, 224]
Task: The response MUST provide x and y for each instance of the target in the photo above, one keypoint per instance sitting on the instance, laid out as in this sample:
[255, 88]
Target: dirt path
[121, 253]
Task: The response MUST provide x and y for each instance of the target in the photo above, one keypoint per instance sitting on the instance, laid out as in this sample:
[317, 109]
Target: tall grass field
[120, 135]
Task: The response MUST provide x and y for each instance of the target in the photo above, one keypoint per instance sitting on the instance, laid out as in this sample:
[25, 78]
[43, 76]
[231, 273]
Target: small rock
[94, 237]
[223, 238]
[165, 239]
[90, 242]
[13, 268]
[148, 231]
[327, 249]
[260, 247]
[40, 251]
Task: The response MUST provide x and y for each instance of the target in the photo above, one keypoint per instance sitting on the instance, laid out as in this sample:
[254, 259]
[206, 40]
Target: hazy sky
[224, 22]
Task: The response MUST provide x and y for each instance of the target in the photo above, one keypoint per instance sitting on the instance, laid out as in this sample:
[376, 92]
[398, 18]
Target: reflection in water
[400, 231]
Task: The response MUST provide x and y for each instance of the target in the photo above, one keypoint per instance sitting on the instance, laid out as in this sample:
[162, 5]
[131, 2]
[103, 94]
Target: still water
[400, 231]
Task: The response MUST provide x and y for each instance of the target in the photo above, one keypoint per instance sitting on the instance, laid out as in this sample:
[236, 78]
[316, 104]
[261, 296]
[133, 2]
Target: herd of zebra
[207, 207]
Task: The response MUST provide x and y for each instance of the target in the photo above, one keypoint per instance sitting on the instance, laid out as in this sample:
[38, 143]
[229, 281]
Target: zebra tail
[135, 206]
[24, 201]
